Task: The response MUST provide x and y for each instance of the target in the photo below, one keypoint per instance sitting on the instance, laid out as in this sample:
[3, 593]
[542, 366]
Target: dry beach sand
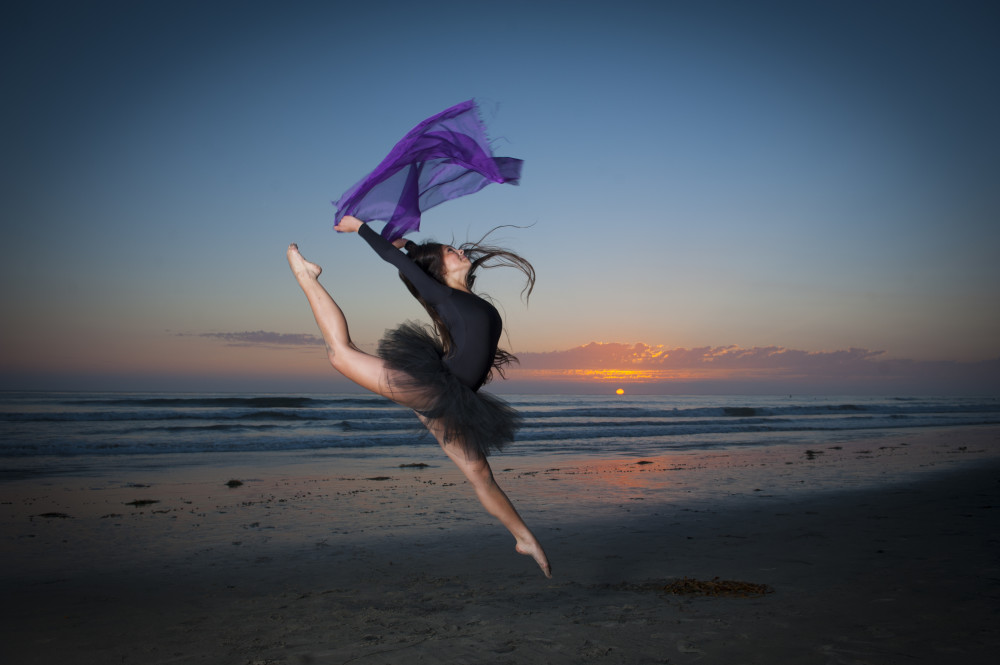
[875, 551]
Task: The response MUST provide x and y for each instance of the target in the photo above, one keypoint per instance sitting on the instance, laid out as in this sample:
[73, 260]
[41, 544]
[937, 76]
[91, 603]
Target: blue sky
[813, 177]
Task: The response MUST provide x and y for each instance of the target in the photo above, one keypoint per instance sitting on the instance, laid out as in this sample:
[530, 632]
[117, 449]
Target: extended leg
[364, 369]
[494, 500]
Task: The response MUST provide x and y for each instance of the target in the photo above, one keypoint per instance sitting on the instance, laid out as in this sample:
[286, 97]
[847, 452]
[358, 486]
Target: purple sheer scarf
[442, 158]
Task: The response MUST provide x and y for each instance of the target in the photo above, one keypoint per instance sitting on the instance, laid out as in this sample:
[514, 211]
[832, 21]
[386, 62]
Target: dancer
[438, 377]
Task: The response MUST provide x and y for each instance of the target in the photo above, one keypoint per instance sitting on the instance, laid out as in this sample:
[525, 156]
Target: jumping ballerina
[439, 380]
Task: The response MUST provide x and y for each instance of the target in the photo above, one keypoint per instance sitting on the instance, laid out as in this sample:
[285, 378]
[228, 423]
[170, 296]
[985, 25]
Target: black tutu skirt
[477, 421]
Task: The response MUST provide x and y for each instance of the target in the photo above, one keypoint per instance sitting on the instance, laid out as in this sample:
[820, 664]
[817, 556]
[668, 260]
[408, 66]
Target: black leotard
[474, 324]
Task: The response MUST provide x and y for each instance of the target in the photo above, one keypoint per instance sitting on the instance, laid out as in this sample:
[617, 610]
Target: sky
[717, 196]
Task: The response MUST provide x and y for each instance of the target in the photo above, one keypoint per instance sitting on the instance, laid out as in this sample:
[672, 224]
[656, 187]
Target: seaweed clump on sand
[688, 586]
[715, 587]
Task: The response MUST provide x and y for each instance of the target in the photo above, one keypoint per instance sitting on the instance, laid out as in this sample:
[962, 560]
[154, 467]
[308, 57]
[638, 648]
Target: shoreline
[898, 564]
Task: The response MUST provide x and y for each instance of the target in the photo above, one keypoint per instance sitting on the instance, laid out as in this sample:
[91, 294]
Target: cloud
[614, 356]
[774, 367]
[711, 369]
[264, 338]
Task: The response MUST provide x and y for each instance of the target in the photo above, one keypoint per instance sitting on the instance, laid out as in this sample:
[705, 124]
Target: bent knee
[333, 356]
[363, 369]
[339, 355]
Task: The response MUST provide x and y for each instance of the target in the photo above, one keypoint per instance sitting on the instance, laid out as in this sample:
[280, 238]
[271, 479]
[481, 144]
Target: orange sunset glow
[277, 361]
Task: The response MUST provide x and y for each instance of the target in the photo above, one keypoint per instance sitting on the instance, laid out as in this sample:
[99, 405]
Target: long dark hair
[429, 257]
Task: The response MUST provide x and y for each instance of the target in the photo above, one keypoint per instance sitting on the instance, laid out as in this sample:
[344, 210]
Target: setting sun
[620, 391]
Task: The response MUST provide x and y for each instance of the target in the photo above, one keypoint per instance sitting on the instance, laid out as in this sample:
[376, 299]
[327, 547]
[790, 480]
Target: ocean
[76, 425]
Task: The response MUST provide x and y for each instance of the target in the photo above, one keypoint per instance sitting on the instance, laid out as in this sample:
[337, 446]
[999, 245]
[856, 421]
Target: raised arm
[430, 289]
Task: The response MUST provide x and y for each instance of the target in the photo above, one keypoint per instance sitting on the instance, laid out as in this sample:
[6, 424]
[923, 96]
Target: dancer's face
[455, 261]
[454, 257]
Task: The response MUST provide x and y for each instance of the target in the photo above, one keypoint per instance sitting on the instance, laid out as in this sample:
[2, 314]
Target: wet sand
[875, 551]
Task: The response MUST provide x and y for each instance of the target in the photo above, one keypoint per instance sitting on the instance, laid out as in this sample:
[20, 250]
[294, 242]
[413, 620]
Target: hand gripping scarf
[442, 158]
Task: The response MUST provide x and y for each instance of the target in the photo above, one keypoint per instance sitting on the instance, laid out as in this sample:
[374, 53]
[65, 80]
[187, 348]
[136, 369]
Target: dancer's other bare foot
[534, 550]
[300, 267]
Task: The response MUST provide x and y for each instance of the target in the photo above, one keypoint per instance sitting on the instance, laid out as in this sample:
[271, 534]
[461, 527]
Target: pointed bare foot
[534, 550]
[300, 266]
